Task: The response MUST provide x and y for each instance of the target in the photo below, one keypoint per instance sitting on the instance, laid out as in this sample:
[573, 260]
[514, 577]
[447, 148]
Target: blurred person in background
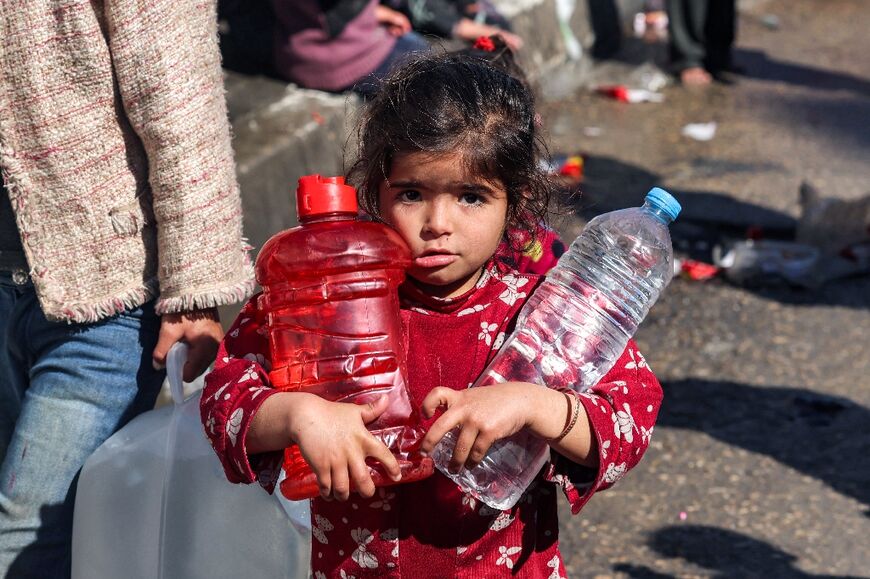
[463, 20]
[701, 34]
[340, 45]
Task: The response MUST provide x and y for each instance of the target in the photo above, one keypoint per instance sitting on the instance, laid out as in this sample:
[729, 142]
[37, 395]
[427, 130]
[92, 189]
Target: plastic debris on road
[695, 270]
[624, 94]
[593, 132]
[572, 168]
[700, 131]
[568, 168]
[771, 21]
[761, 262]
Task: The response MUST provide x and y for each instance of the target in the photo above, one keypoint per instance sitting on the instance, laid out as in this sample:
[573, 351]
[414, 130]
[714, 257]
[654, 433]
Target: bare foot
[695, 76]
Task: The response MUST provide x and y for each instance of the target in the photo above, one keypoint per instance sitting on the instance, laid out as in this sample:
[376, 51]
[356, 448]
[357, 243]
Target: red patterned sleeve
[234, 391]
[622, 409]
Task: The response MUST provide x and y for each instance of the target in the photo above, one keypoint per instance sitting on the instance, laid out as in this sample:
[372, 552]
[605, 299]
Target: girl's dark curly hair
[441, 103]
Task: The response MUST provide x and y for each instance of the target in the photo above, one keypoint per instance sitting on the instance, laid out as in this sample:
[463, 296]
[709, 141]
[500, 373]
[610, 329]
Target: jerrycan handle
[175, 360]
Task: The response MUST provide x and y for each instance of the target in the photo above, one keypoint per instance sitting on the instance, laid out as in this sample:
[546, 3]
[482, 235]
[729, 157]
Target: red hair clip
[485, 44]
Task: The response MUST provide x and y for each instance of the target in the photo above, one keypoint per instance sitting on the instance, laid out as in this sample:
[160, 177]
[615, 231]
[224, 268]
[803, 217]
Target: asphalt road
[760, 462]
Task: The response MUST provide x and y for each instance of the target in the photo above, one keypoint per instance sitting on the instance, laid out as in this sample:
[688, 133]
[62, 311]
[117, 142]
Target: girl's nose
[438, 221]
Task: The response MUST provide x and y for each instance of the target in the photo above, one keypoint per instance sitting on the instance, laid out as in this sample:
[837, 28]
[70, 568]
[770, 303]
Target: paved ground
[762, 441]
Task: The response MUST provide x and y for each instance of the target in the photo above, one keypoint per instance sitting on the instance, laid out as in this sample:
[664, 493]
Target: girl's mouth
[435, 260]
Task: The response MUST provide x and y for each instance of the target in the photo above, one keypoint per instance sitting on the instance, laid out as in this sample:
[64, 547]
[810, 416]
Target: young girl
[448, 157]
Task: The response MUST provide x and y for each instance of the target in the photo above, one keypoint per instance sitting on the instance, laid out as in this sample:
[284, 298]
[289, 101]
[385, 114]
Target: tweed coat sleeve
[167, 65]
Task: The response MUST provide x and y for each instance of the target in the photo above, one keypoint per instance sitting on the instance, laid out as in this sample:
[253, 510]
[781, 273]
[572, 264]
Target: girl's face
[451, 220]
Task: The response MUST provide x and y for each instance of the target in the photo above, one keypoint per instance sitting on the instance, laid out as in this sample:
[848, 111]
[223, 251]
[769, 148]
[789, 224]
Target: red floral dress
[431, 528]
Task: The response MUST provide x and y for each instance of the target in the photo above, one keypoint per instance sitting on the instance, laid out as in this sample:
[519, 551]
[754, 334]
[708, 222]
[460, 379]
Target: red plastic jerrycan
[330, 303]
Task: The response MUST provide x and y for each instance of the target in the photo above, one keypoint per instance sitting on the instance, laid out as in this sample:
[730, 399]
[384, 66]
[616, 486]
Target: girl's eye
[409, 196]
[472, 199]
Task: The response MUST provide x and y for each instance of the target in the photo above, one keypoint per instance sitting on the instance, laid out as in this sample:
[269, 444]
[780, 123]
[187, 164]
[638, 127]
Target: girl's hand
[335, 443]
[332, 438]
[484, 415]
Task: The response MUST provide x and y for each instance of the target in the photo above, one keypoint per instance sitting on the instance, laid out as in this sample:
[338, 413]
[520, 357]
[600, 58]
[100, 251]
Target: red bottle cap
[318, 195]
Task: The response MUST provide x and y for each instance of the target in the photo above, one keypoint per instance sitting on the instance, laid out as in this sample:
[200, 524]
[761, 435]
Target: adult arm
[166, 60]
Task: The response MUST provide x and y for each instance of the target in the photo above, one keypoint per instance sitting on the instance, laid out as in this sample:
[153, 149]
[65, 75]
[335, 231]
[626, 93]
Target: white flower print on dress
[361, 554]
[554, 565]
[257, 390]
[602, 450]
[250, 374]
[486, 332]
[626, 423]
[220, 391]
[469, 500]
[343, 574]
[320, 527]
[234, 424]
[499, 340]
[512, 292]
[259, 359]
[620, 385]
[637, 361]
[502, 521]
[505, 554]
[209, 424]
[614, 472]
[319, 575]
[472, 310]
[383, 501]
[646, 435]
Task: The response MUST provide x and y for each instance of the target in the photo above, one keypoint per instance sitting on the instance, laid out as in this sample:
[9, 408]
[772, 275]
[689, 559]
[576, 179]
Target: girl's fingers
[437, 398]
[324, 481]
[370, 412]
[362, 478]
[378, 451]
[478, 450]
[340, 482]
[445, 423]
[466, 439]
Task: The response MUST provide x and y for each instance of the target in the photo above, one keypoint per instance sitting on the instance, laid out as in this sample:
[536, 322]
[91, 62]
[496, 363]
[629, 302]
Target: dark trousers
[701, 33]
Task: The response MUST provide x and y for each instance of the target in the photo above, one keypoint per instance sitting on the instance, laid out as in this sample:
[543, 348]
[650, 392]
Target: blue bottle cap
[661, 199]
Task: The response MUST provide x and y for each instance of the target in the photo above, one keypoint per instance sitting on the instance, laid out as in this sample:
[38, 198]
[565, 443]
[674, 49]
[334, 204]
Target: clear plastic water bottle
[572, 330]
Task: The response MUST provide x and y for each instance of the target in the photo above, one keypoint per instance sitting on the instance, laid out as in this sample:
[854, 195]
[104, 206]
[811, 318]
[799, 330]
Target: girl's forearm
[549, 419]
[270, 428]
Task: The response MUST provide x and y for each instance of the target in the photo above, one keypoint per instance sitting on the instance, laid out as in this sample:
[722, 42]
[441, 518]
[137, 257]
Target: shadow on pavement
[726, 553]
[610, 184]
[839, 120]
[759, 65]
[821, 436]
